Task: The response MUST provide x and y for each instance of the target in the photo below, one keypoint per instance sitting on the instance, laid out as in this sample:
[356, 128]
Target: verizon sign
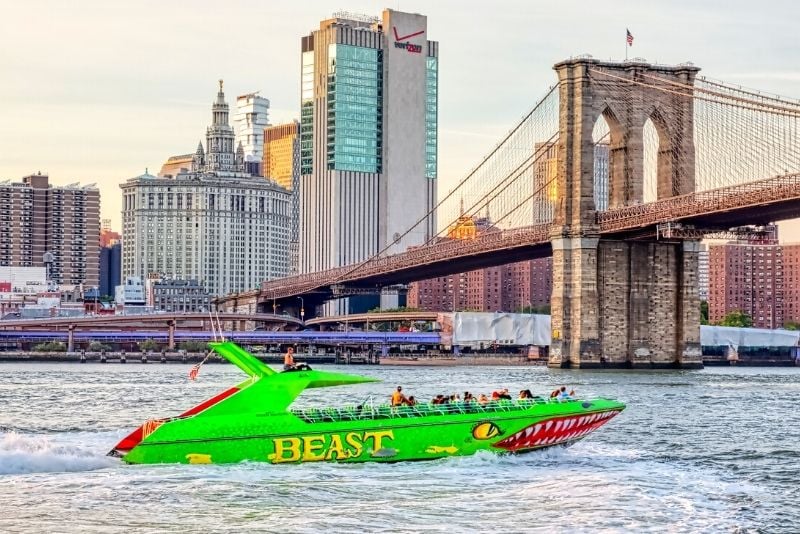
[401, 41]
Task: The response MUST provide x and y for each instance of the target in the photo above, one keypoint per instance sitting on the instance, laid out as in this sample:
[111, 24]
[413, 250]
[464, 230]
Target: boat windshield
[367, 410]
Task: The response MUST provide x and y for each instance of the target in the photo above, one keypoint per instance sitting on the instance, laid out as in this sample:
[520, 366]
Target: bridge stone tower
[622, 303]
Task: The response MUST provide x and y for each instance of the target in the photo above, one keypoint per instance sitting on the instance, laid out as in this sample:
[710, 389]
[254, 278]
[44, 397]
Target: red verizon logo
[401, 41]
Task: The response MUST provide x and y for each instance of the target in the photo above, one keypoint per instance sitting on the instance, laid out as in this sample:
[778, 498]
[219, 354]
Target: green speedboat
[253, 421]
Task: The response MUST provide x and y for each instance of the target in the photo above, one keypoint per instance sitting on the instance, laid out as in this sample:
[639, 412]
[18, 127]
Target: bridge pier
[171, 335]
[626, 304]
[71, 338]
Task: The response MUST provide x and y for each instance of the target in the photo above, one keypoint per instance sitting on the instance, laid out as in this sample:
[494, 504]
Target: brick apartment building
[504, 288]
[759, 277]
[62, 222]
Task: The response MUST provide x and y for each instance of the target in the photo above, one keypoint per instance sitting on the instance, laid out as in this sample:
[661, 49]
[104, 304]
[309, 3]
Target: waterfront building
[183, 296]
[529, 284]
[748, 276]
[57, 227]
[702, 272]
[252, 116]
[368, 137]
[110, 268]
[215, 223]
[791, 282]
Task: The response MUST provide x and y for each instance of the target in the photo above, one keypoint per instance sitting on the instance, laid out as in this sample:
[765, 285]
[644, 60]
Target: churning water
[705, 451]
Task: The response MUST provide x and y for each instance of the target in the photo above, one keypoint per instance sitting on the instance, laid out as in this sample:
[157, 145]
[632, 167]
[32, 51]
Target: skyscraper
[216, 223]
[37, 219]
[252, 116]
[282, 164]
[368, 137]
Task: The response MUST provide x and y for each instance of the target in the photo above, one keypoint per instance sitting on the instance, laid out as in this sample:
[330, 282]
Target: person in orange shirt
[398, 399]
[288, 360]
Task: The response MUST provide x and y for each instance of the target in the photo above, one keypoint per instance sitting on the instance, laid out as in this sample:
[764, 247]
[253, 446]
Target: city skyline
[80, 107]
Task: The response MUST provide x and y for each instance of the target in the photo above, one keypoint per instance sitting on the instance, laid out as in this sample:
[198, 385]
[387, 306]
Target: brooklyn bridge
[688, 157]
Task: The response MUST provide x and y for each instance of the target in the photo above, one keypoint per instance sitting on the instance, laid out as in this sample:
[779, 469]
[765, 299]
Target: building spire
[200, 150]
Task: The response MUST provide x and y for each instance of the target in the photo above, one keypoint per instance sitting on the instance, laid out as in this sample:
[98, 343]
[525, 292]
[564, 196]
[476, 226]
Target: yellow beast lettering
[336, 450]
[312, 444]
[354, 440]
[284, 445]
[327, 446]
[377, 438]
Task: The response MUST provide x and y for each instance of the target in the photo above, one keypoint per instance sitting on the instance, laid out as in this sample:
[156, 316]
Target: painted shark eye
[486, 430]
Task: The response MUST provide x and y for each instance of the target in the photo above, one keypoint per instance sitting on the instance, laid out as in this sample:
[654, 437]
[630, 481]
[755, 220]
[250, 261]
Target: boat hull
[391, 436]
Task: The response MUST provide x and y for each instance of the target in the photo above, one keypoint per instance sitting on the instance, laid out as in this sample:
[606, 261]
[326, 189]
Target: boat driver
[288, 360]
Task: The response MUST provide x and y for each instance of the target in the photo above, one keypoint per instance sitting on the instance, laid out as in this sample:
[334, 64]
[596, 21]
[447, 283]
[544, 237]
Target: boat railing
[366, 411]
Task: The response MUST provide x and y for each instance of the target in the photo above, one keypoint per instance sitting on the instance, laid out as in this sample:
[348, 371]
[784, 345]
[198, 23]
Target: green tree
[737, 318]
[192, 346]
[703, 312]
[50, 346]
[147, 345]
[540, 310]
[96, 346]
[791, 325]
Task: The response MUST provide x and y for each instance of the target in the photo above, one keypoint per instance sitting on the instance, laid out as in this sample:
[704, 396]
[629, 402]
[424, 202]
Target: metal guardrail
[705, 202]
[427, 409]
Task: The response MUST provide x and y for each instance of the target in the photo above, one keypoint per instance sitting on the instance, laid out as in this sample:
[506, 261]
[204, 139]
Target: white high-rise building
[252, 116]
[368, 137]
[216, 224]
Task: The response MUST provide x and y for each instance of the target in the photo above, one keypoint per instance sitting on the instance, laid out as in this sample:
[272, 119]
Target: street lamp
[302, 309]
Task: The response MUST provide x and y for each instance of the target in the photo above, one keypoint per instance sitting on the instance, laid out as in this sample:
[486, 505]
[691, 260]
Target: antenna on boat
[213, 326]
[219, 327]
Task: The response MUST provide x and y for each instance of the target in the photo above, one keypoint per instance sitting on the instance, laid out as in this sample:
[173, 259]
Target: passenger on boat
[525, 394]
[556, 392]
[438, 399]
[468, 397]
[288, 360]
[398, 399]
[502, 394]
[289, 363]
[411, 401]
[483, 400]
[563, 395]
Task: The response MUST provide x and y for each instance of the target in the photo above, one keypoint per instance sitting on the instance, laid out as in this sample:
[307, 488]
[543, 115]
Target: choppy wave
[25, 453]
[706, 451]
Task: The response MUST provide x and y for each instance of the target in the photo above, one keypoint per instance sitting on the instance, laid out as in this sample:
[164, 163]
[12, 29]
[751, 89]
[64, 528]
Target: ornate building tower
[220, 138]
[199, 159]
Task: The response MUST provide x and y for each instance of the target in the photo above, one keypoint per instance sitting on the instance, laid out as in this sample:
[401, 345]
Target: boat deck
[364, 412]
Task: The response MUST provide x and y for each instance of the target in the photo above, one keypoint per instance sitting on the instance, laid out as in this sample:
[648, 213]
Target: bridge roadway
[757, 202]
[363, 318]
[256, 337]
[122, 320]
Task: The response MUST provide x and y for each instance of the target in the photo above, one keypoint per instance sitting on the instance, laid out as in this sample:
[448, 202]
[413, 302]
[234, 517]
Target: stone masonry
[622, 303]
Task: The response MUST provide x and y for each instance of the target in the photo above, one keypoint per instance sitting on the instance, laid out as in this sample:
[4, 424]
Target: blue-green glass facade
[355, 116]
[431, 115]
[307, 114]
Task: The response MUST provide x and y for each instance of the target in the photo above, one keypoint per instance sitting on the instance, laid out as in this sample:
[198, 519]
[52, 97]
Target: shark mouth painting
[555, 431]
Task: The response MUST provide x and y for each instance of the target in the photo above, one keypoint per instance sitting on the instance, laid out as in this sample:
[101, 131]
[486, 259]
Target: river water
[716, 450]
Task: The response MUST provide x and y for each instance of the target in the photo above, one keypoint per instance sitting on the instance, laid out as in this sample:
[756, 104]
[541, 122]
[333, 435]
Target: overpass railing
[705, 202]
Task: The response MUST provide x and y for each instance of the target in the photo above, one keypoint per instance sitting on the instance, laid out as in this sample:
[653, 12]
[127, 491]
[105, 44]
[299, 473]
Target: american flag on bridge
[629, 37]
